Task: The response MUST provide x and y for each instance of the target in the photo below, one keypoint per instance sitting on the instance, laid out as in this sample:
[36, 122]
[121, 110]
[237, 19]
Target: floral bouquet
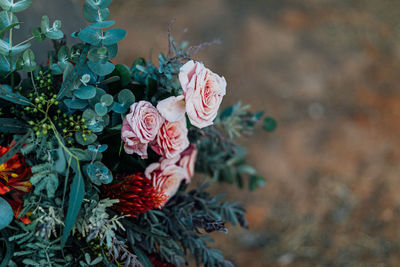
[96, 158]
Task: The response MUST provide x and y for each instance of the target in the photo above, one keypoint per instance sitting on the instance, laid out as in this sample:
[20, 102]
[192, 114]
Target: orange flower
[136, 195]
[14, 174]
[14, 181]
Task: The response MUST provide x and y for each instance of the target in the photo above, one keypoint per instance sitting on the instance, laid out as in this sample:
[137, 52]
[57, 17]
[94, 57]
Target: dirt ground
[328, 71]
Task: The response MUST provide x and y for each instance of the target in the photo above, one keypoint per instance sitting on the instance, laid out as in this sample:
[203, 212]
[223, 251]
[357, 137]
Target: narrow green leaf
[8, 125]
[73, 76]
[76, 195]
[15, 149]
[10, 249]
[144, 260]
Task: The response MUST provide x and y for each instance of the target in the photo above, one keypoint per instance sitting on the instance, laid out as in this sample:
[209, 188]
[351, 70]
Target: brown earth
[328, 71]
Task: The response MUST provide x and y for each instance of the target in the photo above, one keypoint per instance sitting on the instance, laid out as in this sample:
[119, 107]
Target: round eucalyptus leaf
[98, 55]
[87, 140]
[119, 108]
[90, 36]
[101, 69]
[98, 149]
[75, 103]
[6, 213]
[52, 32]
[112, 50]
[113, 36]
[93, 13]
[29, 63]
[99, 93]
[88, 114]
[85, 92]
[107, 99]
[126, 98]
[100, 109]
[98, 173]
[99, 3]
[102, 24]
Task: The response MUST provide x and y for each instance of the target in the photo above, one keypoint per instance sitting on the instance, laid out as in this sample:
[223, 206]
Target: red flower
[156, 261]
[136, 195]
[14, 181]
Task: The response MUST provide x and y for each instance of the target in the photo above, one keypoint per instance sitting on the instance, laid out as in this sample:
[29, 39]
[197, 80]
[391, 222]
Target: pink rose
[171, 139]
[172, 108]
[166, 176]
[188, 160]
[140, 127]
[203, 91]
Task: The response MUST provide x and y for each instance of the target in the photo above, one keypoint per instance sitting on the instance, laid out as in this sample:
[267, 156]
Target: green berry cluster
[45, 112]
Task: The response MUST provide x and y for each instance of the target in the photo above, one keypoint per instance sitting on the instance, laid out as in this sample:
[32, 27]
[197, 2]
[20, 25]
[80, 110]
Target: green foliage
[15, 6]
[66, 120]
[51, 32]
[174, 231]
[7, 94]
[45, 178]
[76, 195]
[8, 125]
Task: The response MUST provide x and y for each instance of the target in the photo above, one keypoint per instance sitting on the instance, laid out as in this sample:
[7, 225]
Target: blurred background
[328, 72]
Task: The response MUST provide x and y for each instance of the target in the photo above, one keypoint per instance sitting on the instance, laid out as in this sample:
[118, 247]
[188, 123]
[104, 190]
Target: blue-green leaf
[99, 3]
[102, 24]
[6, 50]
[8, 125]
[29, 63]
[7, 21]
[98, 55]
[7, 94]
[90, 36]
[107, 99]
[119, 108]
[100, 109]
[71, 78]
[75, 103]
[15, 6]
[98, 173]
[51, 32]
[113, 36]
[94, 13]
[112, 50]
[6, 213]
[126, 98]
[76, 195]
[85, 92]
[101, 69]
[87, 140]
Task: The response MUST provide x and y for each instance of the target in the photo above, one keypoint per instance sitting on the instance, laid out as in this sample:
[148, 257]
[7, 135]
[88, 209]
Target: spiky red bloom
[136, 195]
[156, 261]
[14, 181]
